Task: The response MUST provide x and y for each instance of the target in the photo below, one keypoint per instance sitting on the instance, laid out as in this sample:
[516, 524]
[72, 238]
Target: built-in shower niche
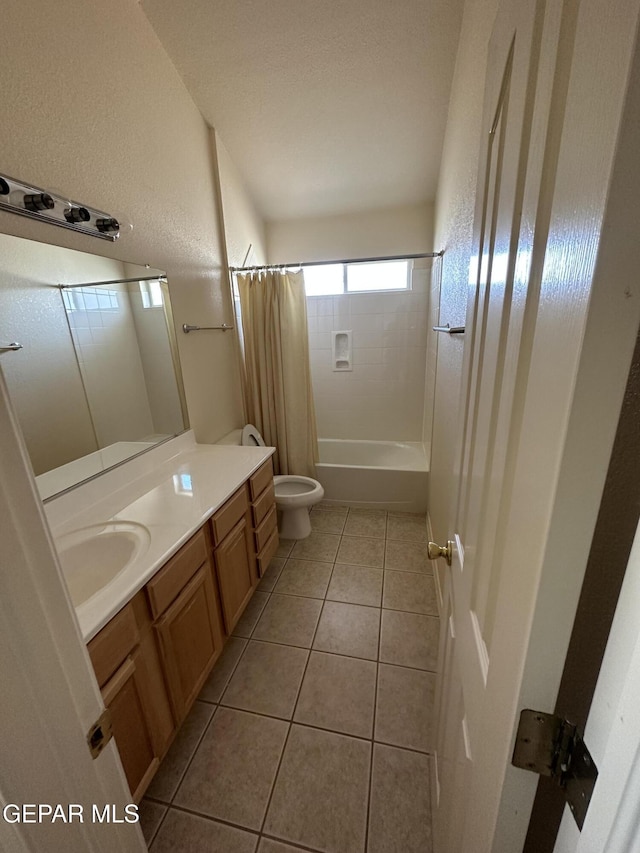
[342, 350]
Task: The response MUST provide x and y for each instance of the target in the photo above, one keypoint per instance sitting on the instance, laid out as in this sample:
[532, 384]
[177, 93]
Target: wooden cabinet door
[153, 686]
[190, 640]
[122, 696]
[235, 568]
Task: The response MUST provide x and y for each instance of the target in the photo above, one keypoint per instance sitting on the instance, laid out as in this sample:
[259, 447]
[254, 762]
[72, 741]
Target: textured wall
[94, 108]
[453, 232]
[243, 226]
[391, 231]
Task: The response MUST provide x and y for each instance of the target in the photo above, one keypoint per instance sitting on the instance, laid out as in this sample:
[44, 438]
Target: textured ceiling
[329, 106]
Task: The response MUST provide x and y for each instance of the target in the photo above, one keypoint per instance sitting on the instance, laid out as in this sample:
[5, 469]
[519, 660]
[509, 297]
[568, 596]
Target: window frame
[408, 284]
[345, 278]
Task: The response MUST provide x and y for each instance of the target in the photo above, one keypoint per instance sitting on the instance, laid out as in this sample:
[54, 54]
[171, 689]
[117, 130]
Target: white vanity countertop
[172, 502]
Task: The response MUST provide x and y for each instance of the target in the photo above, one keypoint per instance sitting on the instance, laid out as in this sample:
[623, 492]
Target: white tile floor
[314, 730]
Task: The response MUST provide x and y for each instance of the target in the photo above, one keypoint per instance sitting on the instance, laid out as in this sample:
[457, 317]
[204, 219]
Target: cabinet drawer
[265, 529]
[259, 481]
[111, 646]
[264, 557]
[226, 518]
[261, 507]
[169, 581]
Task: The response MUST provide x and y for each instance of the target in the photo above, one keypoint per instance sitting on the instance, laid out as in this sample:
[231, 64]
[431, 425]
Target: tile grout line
[293, 712]
[371, 740]
[213, 819]
[341, 654]
[404, 570]
[193, 755]
[249, 830]
[307, 595]
[375, 711]
[329, 532]
[298, 845]
[154, 835]
[324, 598]
[261, 614]
[285, 560]
[316, 726]
[235, 667]
[248, 637]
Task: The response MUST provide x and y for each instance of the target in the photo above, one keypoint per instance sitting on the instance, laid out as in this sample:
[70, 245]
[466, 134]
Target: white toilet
[294, 494]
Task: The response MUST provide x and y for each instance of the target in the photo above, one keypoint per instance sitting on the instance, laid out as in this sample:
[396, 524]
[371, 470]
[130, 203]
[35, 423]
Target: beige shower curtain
[279, 396]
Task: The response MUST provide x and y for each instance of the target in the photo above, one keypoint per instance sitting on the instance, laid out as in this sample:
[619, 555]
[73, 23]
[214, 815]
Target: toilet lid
[251, 437]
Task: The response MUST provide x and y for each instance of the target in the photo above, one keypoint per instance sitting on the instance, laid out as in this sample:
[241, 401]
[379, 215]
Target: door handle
[434, 551]
[452, 330]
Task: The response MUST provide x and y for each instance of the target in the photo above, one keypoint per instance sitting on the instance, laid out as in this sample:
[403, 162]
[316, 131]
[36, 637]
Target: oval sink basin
[93, 556]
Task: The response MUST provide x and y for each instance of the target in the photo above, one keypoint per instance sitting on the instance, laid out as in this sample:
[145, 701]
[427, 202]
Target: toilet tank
[233, 437]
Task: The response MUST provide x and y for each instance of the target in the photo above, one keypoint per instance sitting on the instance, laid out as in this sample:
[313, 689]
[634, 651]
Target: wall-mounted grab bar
[10, 347]
[186, 328]
[452, 330]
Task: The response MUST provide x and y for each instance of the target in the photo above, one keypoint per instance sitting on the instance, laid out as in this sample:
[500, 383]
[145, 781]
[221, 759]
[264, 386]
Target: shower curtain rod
[340, 261]
[161, 278]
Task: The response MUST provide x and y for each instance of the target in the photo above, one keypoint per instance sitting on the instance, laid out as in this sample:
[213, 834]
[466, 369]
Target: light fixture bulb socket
[36, 202]
[77, 214]
[107, 225]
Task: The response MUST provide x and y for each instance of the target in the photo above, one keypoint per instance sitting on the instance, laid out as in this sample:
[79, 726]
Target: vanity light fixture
[27, 200]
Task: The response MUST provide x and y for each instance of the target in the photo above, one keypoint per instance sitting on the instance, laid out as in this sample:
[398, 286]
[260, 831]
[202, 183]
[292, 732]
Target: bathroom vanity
[161, 541]
[155, 630]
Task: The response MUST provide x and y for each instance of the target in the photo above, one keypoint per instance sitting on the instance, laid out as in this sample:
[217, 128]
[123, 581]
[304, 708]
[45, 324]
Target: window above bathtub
[354, 277]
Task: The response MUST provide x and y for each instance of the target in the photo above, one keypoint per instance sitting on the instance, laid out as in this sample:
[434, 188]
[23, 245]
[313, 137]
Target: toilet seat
[293, 490]
[251, 437]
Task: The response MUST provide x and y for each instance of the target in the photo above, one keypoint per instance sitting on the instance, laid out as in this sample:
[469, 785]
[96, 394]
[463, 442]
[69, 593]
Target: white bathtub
[377, 474]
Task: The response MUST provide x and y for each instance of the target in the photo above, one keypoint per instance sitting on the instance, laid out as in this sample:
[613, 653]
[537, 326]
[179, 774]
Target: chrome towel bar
[186, 328]
[452, 330]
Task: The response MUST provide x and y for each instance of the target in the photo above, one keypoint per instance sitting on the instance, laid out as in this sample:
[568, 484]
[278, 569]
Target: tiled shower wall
[382, 397]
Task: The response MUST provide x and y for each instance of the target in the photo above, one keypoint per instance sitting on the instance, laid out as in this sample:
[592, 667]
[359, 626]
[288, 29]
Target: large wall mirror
[98, 378]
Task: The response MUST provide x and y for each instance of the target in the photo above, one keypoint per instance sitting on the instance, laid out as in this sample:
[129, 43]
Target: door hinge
[548, 745]
[100, 733]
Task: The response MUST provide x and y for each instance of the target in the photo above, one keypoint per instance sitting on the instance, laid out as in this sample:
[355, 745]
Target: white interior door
[49, 695]
[552, 321]
[496, 352]
[612, 735]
